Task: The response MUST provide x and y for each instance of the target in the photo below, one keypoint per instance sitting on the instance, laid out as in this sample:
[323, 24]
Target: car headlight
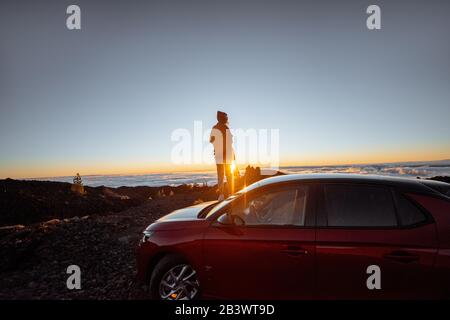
[147, 235]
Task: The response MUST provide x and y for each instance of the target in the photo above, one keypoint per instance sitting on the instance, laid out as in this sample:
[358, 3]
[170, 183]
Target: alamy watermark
[73, 21]
[250, 146]
[74, 280]
[374, 279]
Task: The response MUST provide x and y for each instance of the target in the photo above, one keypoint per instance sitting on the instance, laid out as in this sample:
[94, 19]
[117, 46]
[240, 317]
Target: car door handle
[294, 251]
[402, 256]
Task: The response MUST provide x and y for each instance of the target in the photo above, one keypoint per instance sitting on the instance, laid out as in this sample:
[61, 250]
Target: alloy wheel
[179, 283]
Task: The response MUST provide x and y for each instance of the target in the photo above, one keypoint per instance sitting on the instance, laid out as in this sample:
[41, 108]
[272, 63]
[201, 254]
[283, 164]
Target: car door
[272, 255]
[364, 227]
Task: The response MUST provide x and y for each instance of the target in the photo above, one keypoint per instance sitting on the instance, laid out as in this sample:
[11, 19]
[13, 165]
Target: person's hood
[222, 117]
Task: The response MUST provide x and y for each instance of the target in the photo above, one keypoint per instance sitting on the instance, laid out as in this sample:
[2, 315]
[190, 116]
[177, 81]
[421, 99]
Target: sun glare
[233, 167]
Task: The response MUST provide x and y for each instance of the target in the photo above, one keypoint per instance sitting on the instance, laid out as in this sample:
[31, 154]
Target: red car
[305, 237]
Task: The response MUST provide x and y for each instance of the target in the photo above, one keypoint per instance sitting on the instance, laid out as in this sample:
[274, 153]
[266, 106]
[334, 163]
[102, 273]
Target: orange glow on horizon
[70, 168]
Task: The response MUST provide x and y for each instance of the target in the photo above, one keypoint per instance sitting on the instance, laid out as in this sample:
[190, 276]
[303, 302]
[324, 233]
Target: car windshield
[223, 203]
[220, 205]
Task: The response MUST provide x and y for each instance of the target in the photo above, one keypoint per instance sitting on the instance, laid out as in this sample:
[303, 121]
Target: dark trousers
[222, 171]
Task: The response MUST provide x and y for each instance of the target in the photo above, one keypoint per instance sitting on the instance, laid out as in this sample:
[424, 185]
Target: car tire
[162, 268]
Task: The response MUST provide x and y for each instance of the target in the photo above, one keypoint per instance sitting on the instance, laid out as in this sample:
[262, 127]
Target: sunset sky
[105, 99]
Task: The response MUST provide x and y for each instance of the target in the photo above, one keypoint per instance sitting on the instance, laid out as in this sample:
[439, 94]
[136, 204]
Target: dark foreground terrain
[35, 257]
[45, 227]
[26, 202]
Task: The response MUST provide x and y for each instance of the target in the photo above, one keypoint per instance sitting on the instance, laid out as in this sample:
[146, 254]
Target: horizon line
[242, 167]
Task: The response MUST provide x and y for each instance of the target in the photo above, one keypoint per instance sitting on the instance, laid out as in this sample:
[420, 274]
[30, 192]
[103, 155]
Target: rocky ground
[34, 258]
[25, 202]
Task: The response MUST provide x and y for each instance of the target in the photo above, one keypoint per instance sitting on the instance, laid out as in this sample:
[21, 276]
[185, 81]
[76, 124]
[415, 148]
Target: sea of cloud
[411, 169]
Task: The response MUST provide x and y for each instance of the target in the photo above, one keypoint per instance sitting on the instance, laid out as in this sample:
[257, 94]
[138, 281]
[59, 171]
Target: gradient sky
[106, 99]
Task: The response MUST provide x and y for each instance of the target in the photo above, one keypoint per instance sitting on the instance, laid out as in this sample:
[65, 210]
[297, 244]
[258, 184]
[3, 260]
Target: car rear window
[359, 206]
[443, 188]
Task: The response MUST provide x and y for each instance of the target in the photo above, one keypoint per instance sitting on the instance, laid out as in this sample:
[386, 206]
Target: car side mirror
[229, 219]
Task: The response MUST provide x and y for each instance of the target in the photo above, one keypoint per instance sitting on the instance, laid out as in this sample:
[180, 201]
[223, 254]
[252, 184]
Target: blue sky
[106, 99]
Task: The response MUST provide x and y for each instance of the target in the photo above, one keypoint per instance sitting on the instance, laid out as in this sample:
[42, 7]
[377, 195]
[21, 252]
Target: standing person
[222, 141]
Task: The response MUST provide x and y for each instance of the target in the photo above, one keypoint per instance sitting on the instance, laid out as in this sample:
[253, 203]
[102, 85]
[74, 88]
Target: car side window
[408, 213]
[359, 206]
[277, 207]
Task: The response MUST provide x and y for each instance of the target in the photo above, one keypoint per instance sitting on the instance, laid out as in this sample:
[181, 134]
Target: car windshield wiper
[205, 210]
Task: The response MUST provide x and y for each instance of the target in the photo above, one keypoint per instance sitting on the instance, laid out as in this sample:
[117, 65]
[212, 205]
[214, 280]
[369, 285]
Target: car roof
[406, 183]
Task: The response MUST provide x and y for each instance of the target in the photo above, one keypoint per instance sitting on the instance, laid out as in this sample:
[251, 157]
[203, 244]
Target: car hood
[181, 218]
[188, 213]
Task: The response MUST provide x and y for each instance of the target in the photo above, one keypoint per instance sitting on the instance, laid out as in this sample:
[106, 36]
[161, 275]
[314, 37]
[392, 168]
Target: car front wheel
[174, 279]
